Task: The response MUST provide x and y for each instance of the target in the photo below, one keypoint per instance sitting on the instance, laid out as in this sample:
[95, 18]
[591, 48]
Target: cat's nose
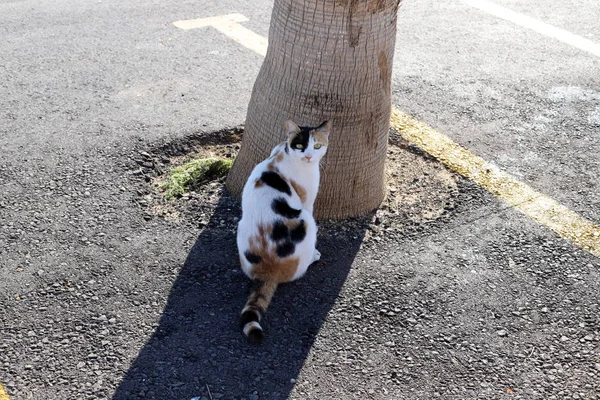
[308, 157]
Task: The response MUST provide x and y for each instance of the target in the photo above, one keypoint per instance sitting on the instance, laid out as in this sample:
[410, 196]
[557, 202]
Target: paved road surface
[98, 302]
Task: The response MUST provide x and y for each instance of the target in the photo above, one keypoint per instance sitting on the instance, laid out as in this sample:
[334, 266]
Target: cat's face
[306, 144]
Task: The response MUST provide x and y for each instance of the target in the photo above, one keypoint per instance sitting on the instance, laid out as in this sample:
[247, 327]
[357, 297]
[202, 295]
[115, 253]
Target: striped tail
[256, 306]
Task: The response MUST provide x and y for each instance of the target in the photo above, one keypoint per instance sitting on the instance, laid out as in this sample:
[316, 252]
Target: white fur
[250, 326]
[256, 203]
[305, 173]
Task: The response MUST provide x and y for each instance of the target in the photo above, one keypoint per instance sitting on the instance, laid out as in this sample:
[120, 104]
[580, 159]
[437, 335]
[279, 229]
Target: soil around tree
[420, 189]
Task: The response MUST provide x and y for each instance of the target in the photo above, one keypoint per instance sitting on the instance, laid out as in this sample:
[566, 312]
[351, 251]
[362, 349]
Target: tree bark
[327, 60]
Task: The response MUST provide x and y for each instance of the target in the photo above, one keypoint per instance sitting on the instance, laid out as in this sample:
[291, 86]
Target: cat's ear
[324, 128]
[290, 128]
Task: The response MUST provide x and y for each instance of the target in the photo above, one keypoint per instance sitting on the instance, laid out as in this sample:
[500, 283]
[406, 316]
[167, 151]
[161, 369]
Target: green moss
[193, 174]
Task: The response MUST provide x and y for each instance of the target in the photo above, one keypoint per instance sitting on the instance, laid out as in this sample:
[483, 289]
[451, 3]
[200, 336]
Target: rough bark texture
[327, 60]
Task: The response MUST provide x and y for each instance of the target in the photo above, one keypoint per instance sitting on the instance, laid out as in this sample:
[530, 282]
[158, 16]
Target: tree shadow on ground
[198, 349]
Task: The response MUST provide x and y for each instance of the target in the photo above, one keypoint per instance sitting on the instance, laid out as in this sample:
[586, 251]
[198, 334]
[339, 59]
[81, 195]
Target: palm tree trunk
[327, 60]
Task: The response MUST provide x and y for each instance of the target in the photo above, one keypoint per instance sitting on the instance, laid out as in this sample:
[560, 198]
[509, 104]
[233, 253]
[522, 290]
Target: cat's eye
[299, 146]
[318, 146]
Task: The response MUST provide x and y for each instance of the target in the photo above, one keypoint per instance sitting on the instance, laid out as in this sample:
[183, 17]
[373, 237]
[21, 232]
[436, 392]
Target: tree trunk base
[327, 61]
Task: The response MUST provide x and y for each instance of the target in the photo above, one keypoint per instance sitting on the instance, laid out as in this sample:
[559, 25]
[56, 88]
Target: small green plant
[193, 174]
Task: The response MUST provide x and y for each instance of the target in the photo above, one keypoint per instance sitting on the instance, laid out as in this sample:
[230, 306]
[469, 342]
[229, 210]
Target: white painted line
[229, 25]
[536, 25]
[210, 21]
[505, 187]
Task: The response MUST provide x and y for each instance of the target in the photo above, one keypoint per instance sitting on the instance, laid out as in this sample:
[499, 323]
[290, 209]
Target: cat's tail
[255, 308]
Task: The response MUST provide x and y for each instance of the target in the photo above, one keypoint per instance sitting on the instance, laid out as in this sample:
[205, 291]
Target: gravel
[107, 291]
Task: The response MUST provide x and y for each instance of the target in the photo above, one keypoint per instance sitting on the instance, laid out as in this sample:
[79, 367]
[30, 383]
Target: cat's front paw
[316, 255]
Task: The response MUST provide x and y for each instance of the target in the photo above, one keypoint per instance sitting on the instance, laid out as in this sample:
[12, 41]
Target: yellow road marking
[518, 195]
[229, 25]
[536, 25]
[3, 394]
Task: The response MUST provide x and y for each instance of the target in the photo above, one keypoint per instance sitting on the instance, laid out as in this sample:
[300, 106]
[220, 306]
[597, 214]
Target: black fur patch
[280, 231]
[248, 316]
[285, 249]
[252, 258]
[302, 138]
[298, 233]
[256, 336]
[273, 179]
[281, 207]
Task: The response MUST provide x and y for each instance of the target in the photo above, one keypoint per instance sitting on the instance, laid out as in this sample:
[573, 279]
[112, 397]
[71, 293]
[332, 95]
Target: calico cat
[277, 233]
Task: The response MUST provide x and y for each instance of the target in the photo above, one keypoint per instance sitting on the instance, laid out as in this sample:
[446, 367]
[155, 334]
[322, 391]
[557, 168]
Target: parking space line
[3, 394]
[505, 187]
[516, 194]
[230, 26]
[536, 25]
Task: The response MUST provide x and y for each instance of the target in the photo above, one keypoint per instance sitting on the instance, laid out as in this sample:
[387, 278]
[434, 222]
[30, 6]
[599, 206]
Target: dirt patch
[153, 165]
[419, 188]
[193, 175]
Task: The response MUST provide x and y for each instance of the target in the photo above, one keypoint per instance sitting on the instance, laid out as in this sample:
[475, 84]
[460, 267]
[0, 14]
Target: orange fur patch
[279, 270]
[277, 158]
[271, 267]
[271, 167]
[258, 183]
[262, 297]
[299, 190]
[320, 138]
[292, 224]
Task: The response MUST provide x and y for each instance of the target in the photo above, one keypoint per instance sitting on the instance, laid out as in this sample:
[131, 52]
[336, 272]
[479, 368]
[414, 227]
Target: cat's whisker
[322, 165]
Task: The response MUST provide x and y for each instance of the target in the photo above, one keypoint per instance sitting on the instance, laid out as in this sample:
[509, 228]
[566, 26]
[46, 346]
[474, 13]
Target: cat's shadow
[198, 349]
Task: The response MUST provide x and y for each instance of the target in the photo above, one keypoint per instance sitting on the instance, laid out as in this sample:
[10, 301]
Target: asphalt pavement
[101, 300]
